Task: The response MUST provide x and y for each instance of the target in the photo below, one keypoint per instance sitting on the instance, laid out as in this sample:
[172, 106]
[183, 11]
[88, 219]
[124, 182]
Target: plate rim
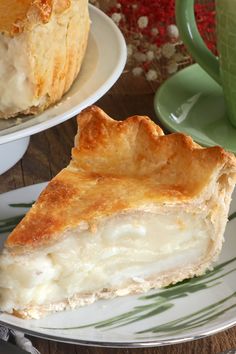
[125, 344]
[113, 344]
[96, 95]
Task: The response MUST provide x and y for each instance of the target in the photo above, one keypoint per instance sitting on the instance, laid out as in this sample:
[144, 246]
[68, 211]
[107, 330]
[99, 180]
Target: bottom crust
[83, 299]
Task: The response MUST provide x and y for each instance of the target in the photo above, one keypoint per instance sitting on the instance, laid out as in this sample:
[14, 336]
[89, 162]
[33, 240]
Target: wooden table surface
[49, 152]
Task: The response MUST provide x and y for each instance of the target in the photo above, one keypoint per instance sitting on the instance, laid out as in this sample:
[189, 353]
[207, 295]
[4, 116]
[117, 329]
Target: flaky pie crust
[118, 166]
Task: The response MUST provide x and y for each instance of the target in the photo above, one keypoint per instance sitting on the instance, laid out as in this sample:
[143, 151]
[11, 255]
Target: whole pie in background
[42, 45]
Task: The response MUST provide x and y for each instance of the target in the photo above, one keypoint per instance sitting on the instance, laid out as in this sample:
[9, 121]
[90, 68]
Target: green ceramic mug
[222, 69]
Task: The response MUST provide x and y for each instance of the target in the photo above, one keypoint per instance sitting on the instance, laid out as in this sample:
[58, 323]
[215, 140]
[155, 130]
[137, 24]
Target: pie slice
[134, 210]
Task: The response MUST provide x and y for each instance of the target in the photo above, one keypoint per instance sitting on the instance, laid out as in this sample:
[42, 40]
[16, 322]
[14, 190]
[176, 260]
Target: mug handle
[186, 23]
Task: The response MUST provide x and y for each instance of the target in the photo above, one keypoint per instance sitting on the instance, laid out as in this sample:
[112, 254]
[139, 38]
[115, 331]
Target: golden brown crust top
[137, 147]
[16, 15]
[119, 166]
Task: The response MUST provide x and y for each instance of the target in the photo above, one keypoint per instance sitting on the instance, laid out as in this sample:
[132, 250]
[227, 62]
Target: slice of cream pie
[134, 210]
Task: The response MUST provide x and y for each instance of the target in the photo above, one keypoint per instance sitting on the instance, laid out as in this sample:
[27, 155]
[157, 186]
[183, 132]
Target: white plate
[186, 311]
[103, 64]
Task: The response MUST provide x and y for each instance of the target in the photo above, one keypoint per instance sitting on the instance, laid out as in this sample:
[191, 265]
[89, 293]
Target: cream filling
[123, 250]
[16, 89]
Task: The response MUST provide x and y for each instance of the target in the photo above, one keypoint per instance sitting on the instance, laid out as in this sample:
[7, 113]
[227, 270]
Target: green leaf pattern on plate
[8, 224]
[161, 301]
